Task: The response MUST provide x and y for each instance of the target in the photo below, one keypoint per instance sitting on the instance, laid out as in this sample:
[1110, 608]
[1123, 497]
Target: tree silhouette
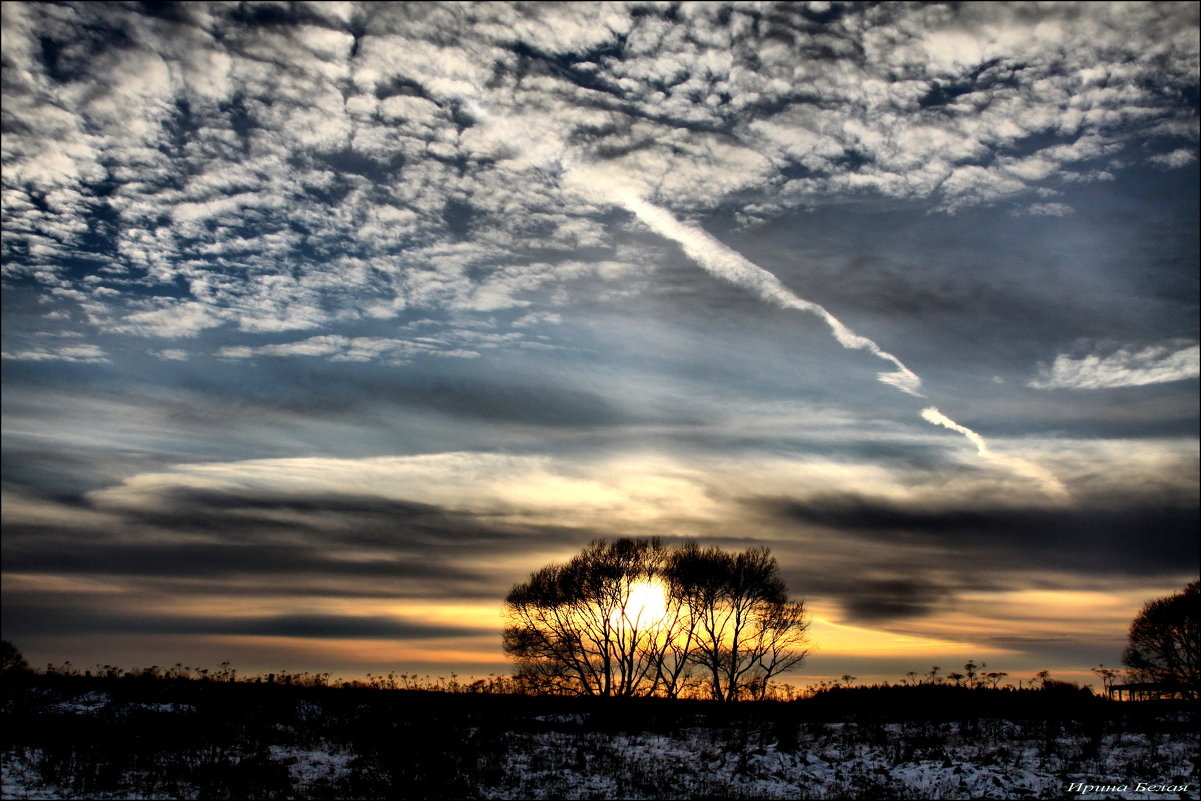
[635, 617]
[570, 627]
[1107, 677]
[12, 661]
[1164, 641]
[746, 628]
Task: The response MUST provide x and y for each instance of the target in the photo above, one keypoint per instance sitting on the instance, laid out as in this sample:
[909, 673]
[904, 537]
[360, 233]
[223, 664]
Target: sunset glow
[645, 606]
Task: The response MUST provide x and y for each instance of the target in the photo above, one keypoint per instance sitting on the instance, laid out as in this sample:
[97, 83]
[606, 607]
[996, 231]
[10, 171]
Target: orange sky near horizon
[870, 654]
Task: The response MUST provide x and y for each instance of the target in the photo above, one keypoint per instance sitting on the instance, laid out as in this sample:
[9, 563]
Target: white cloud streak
[729, 265]
[88, 354]
[1050, 483]
[336, 348]
[1049, 210]
[1126, 367]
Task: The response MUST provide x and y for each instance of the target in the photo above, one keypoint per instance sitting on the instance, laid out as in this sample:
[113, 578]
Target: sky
[324, 324]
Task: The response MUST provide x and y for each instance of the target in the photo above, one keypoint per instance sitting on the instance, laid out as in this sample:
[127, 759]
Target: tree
[572, 627]
[745, 628]
[1164, 641]
[12, 661]
[635, 617]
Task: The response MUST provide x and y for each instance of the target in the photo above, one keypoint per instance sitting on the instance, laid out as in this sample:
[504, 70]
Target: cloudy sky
[325, 323]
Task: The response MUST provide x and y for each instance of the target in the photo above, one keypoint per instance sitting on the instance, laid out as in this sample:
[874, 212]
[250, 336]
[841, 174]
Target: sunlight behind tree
[638, 617]
[645, 607]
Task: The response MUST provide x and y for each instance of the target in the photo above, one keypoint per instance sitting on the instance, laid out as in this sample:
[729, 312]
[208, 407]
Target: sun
[645, 606]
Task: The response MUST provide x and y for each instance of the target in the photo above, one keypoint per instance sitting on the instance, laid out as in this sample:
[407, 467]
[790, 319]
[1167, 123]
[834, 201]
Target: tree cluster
[640, 618]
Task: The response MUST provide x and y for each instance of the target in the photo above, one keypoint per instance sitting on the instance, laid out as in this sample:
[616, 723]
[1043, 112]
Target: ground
[88, 738]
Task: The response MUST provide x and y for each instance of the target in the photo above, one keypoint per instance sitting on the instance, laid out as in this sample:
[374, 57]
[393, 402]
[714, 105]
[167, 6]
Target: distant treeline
[512, 685]
[973, 678]
[858, 702]
[909, 701]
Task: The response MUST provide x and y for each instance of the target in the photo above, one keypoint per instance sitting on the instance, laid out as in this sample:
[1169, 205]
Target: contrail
[732, 266]
[729, 265]
[726, 263]
[1022, 467]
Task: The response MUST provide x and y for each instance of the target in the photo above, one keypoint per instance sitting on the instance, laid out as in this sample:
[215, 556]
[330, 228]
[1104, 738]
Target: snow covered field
[997, 759]
[78, 741]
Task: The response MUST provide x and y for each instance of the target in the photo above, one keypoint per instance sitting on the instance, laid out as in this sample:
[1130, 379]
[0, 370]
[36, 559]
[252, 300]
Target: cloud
[221, 154]
[731, 266]
[515, 487]
[911, 560]
[1048, 210]
[462, 343]
[902, 597]
[206, 539]
[538, 318]
[87, 354]
[335, 347]
[877, 541]
[174, 320]
[626, 489]
[65, 618]
[1125, 367]
[1024, 467]
[1177, 158]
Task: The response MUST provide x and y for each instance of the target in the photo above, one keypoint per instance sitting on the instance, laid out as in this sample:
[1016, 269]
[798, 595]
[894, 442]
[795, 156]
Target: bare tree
[636, 618]
[573, 628]
[746, 629]
[1164, 641]
[783, 639]
[677, 671]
